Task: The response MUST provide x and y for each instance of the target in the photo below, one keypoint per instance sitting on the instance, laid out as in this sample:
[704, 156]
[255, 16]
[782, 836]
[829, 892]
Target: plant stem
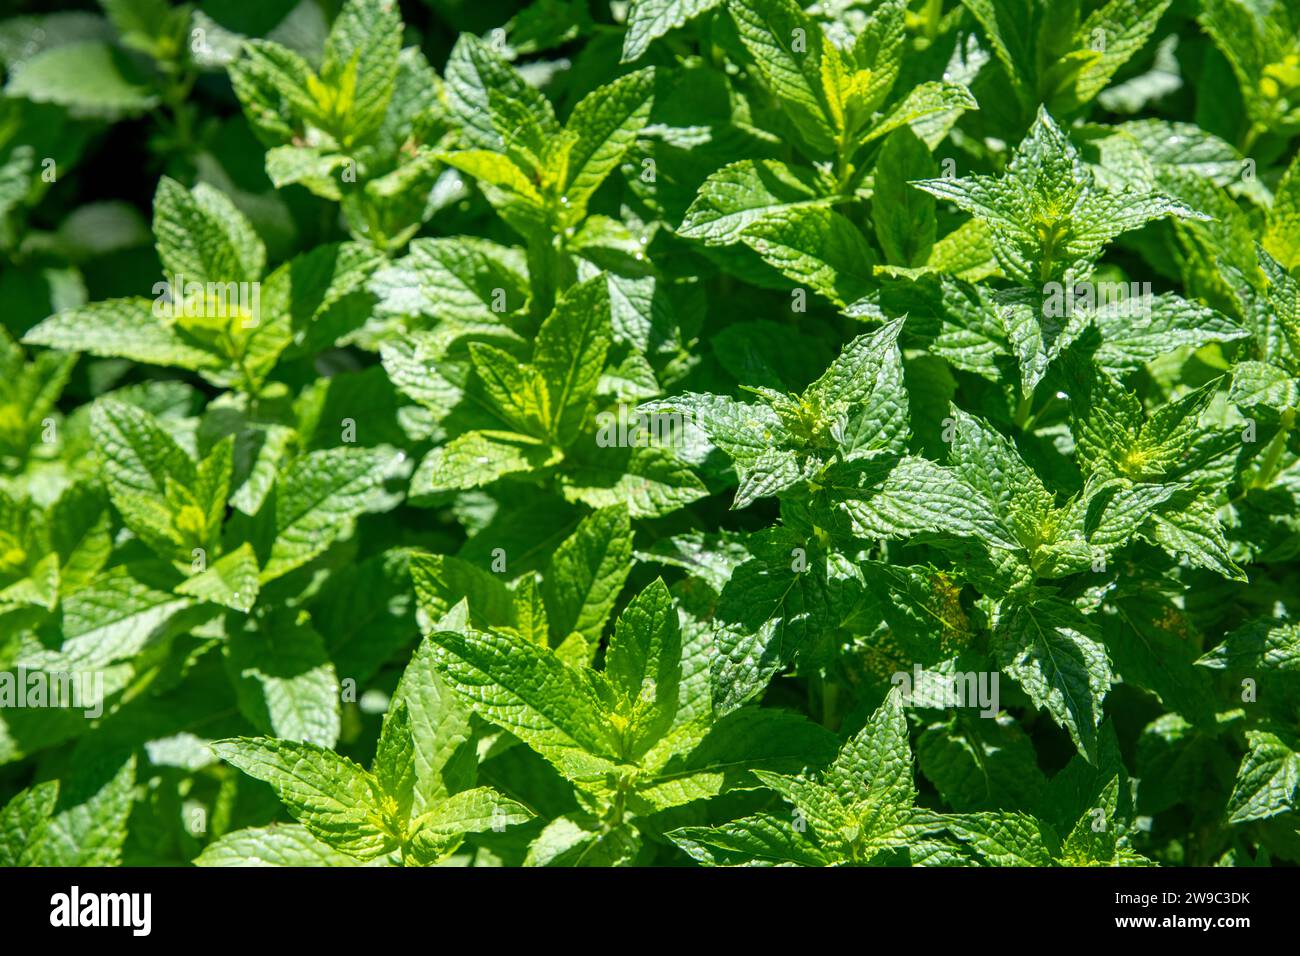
[1268, 465]
[842, 163]
[1248, 141]
[830, 700]
[933, 14]
[1023, 410]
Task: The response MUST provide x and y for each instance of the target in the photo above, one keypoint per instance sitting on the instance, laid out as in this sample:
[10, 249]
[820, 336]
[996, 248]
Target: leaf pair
[856, 409]
[858, 811]
[347, 99]
[1098, 838]
[412, 802]
[539, 175]
[635, 738]
[545, 404]
[214, 313]
[1050, 220]
[834, 99]
[1048, 217]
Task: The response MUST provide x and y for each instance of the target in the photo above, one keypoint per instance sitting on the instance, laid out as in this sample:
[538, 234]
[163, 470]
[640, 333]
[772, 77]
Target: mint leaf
[1046, 647]
[331, 796]
[1266, 781]
[647, 20]
[586, 573]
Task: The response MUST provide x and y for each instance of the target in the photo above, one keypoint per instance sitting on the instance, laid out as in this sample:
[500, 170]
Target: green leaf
[689, 764]
[905, 220]
[565, 842]
[888, 497]
[280, 844]
[1091, 844]
[122, 328]
[1267, 780]
[742, 193]
[647, 20]
[284, 680]
[394, 764]
[876, 763]
[1259, 383]
[743, 431]
[89, 822]
[203, 237]
[336, 800]
[361, 56]
[23, 820]
[115, 617]
[519, 391]
[1136, 335]
[456, 279]
[644, 666]
[1236, 31]
[140, 23]
[787, 49]
[1192, 530]
[232, 581]
[478, 458]
[815, 802]
[87, 77]
[1005, 839]
[497, 110]
[816, 247]
[142, 463]
[1047, 647]
[1115, 32]
[649, 481]
[758, 840]
[273, 86]
[442, 581]
[1284, 296]
[1282, 239]
[775, 604]
[318, 496]
[586, 575]
[439, 728]
[1006, 23]
[312, 168]
[925, 102]
[471, 811]
[570, 355]
[863, 392]
[506, 185]
[530, 692]
[608, 121]
[992, 467]
[1259, 645]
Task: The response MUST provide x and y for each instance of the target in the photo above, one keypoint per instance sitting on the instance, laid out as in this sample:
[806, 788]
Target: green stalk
[1023, 410]
[1272, 458]
[842, 162]
[830, 702]
[933, 14]
[550, 271]
[1248, 140]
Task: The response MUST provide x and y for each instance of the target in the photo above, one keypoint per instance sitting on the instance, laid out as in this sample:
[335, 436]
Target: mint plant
[709, 433]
